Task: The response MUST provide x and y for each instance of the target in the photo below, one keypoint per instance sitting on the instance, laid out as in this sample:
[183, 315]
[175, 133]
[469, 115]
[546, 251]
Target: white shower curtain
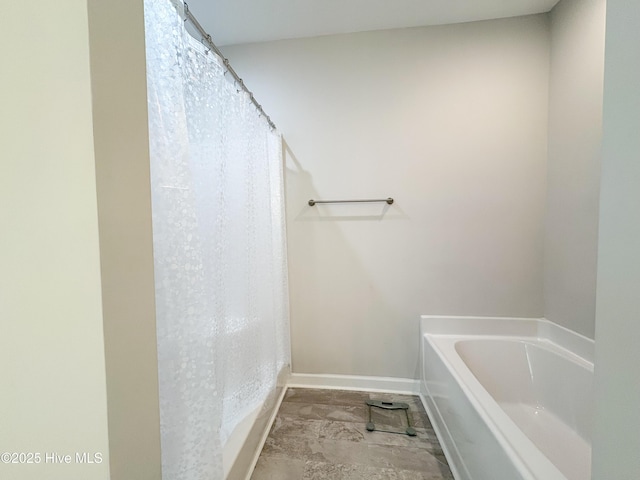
[219, 246]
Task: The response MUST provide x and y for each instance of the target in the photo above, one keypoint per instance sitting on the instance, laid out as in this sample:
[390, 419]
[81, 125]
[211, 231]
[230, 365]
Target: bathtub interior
[541, 388]
[544, 390]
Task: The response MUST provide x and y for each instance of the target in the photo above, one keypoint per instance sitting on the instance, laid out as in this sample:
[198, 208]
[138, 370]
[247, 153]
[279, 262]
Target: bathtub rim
[540, 328]
[438, 329]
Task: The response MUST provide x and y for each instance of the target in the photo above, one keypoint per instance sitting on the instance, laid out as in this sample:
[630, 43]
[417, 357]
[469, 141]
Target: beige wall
[52, 393]
[617, 425]
[77, 338]
[450, 121]
[573, 182]
[121, 138]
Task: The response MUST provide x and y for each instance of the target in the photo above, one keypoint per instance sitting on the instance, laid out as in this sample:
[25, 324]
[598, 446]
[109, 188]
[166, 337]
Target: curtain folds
[219, 247]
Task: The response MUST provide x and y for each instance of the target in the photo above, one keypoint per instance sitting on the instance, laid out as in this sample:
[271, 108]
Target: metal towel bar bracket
[387, 200]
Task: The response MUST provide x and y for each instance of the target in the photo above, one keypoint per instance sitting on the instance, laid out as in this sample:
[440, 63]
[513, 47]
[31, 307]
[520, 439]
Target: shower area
[219, 250]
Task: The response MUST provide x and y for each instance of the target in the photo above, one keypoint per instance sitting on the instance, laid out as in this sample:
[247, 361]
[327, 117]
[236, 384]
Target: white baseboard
[355, 382]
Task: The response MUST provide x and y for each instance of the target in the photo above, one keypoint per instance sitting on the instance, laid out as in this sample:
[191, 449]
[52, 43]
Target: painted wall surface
[573, 182]
[77, 318]
[121, 141]
[617, 377]
[52, 394]
[451, 122]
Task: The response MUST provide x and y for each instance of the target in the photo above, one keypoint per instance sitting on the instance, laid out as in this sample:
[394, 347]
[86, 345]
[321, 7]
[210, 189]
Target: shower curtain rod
[207, 38]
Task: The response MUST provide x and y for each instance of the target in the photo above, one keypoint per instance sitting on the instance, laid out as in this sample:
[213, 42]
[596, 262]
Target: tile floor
[321, 434]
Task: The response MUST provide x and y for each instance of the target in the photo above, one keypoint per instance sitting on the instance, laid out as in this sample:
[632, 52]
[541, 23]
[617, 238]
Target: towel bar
[388, 200]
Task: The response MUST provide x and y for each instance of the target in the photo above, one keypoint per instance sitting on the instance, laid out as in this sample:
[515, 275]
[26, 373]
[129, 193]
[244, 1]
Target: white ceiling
[245, 21]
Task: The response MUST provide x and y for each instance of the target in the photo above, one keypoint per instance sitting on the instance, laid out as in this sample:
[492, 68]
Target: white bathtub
[510, 399]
